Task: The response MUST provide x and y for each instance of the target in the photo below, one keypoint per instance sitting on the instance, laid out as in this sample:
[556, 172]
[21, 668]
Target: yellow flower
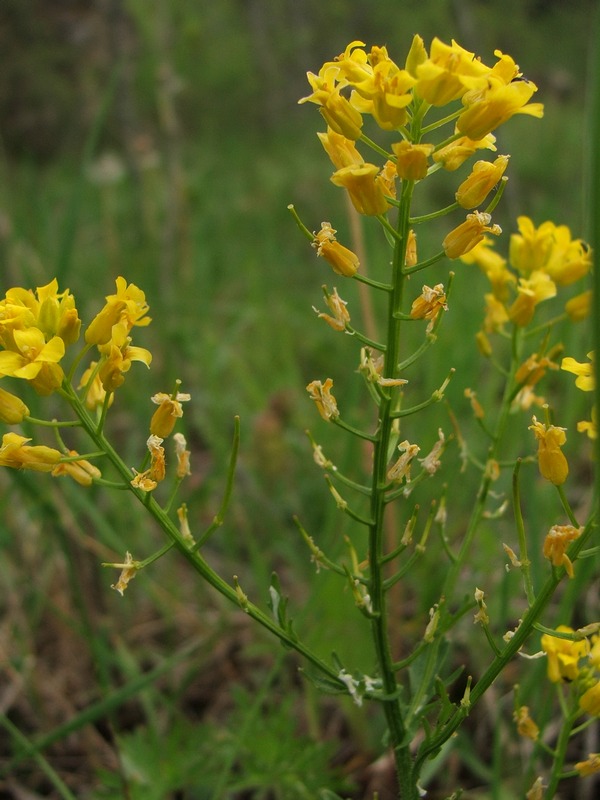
[168, 412]
[555, 544]
[99, 331]
[590, 701]
[16, 453]
[533, 369]
[353, 64]
[468, 234]
[525, 725]
[128, 306]
[551, 460]
[569, 259]
[81, 471]
[12, 409]
[484, 176]
[578, 307]
[483, 344]
[590, 766]
[563, 655]
[334, 107]
[341, 151]
[416, 55]
[343, 260]
[487, 108]
[530, 291]
[366, 193]
[337, 306]
[549, 248]
[453, 155]
[411, 160]
[31, 353]
[18, 311]
[493, 265]
[589, 426]
[324, 400]
[594, 656]
[117, 356]
[585, 372]
[429, 304]
[496, 314]
[448, 73]
[47, 309]
[384, 91]
[57, 315]
[530, 249]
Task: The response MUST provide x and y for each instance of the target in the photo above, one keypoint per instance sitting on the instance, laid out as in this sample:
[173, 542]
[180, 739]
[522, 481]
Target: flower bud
[342, 260]
[484, 176]
[12, 409]
[411, 160]
[469, 233]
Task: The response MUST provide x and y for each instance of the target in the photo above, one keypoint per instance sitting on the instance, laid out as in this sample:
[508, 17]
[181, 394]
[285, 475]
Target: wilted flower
[525, 725]
[400, 470]
[168, 412]
[324, 400]
[429, 304]
[590, 766]
[338, 309]
[555, 544]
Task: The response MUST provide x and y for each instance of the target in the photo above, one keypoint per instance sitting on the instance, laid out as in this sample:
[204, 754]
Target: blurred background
[162, 140]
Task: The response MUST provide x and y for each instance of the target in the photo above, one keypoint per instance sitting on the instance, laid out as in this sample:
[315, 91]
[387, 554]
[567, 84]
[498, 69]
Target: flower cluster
[110, 331]
[36, 330]
[379, 87]
[575, 661]
[361, 82]
[541, 260]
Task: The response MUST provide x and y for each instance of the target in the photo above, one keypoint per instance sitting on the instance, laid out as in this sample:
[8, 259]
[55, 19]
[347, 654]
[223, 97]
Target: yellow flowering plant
[542, 265]
[437, 111]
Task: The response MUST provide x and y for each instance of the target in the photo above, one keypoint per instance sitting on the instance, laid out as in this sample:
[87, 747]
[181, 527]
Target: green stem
[195, 560]
[560, 753]
[434, 214]
[377, 588]
[424, 264]
[523, 556]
